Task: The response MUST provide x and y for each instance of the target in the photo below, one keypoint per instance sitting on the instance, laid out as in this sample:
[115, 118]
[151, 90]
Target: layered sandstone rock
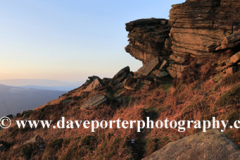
[198, 31]
[148, 39]
[197, 28]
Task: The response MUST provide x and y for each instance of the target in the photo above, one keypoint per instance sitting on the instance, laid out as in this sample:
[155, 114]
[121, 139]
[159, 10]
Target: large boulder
[212, 145]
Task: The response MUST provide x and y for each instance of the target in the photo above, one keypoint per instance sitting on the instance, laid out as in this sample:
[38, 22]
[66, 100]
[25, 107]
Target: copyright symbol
[5, 122]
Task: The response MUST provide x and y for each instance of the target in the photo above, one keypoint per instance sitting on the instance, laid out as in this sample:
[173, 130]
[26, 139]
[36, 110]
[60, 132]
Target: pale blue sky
[69, 40]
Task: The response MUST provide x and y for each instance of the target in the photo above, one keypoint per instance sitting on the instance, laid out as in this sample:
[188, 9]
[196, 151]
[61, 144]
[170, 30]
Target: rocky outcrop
[148, 39]
[195, 24]
[212, 145]
[153, 72]
[197, 28]
[197, 31]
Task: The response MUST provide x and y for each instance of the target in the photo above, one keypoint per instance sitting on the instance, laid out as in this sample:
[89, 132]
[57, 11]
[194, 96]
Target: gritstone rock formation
[196, 27]
[200, 32]
[149, 38]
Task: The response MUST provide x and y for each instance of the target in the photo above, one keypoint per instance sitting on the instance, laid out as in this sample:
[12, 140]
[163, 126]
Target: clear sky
[69, 40]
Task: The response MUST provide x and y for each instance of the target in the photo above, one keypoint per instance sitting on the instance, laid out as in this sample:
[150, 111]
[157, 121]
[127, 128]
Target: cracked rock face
[195, 24]
[197, 27]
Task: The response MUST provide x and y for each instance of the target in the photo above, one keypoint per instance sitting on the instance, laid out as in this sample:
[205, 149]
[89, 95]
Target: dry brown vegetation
[195, 100]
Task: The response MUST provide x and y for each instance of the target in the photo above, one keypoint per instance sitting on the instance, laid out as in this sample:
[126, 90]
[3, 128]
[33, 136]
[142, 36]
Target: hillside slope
[217, 96]
[191, 71]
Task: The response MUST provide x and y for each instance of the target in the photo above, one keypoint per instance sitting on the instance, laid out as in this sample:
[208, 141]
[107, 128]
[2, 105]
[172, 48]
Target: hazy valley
[17, 99]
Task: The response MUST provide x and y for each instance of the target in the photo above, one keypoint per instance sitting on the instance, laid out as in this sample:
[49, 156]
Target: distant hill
[16, 99]
[44, 84]
[55, 88]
